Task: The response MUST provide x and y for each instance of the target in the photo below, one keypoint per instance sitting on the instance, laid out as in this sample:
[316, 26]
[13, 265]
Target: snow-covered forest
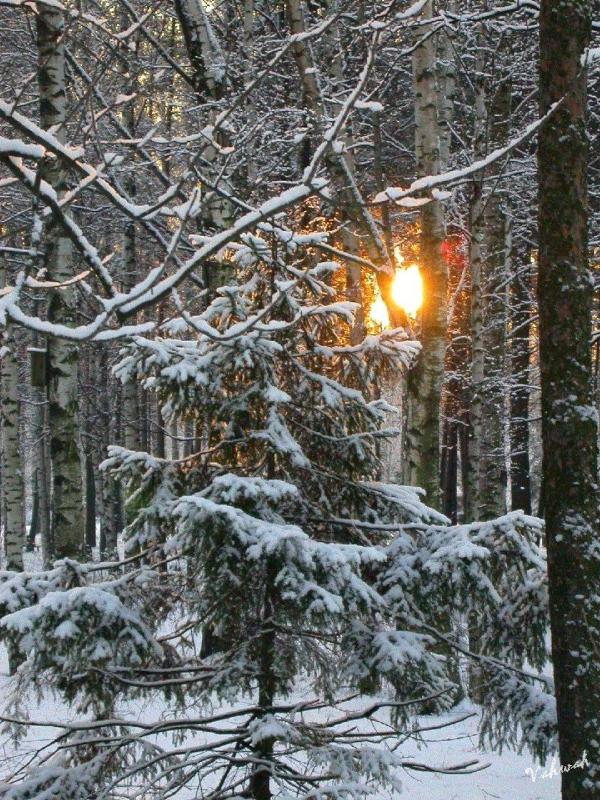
[299, 391]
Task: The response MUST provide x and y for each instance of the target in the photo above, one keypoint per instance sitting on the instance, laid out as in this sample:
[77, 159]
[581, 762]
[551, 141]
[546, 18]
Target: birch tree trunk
[476, 230]
[203, 48]
[41, 472]
[67, 495]
[446, 76]
[13, 496]
[425, 381]
[569, 418]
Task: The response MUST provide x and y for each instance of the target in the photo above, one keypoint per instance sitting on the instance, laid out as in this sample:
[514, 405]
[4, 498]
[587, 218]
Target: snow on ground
[505, 778]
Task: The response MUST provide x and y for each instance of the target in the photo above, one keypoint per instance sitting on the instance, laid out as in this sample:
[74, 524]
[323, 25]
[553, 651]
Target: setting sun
[407, 293]
[407, 289]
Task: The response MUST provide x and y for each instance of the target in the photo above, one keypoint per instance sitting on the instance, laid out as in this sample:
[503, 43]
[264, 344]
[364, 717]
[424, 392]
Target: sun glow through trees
[407, 293]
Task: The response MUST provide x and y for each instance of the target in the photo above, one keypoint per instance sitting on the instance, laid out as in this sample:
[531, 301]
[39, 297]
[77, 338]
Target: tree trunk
[569, 420]
[446, 77]
[42, 473]
[498, 247]
[34, 526]
[206, 58]
[260, 780]
[130, 390]
[13, 495]
[476, 231]
[67, 494]
[90, 506]
[520, 480]
[492, 466]
[450, 471]
[425, 381]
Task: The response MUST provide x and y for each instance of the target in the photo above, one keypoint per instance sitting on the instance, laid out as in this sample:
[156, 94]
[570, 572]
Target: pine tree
[278, 539]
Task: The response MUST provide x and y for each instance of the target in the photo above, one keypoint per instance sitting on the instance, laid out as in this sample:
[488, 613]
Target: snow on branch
[430, 183]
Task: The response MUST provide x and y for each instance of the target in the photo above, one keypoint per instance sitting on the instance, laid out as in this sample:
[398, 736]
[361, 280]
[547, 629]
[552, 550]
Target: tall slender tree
[67, 489]
[520, 466]
[13, 498]
[425, 382]
[569, 425]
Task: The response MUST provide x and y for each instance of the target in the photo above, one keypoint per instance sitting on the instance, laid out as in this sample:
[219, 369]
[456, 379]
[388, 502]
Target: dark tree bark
[90, 506]
[450, 471]
[520, 481]
[569, 425]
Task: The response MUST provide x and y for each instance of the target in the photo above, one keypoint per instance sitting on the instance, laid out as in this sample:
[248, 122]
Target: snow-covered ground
[505, 777]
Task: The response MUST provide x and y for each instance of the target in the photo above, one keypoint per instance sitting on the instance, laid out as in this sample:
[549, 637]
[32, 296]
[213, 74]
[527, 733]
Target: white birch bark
[425, 382]
[13, 497]
[446, 74]
[207, 59]
[67, 489]
[42, 472]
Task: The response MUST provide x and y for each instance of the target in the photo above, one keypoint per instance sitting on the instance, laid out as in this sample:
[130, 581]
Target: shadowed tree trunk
[520, 482]
[498, 233]
[13, 497]
[90, 506]
[569, 419]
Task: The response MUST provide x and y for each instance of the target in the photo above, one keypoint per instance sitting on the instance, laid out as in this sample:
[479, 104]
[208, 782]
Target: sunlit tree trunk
[446, 79]
[203, 49]
[425, 381]
[569, 419]
[67, 488]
